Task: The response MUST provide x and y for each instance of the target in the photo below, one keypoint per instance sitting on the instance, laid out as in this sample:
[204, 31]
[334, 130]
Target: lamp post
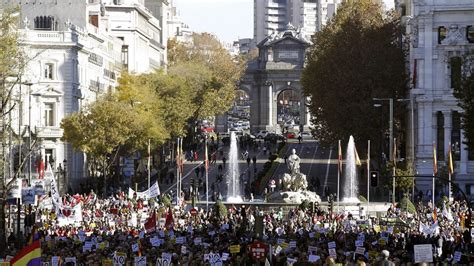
[390, 153]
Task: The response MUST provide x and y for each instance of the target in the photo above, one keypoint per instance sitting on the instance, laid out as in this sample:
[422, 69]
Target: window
[441, 34]
[48, 115]
[45, 23]
[455, 65]
[125, 56]
[470, 33]
[440, 136]
[456, 136]
[48, 71]
[94, 20]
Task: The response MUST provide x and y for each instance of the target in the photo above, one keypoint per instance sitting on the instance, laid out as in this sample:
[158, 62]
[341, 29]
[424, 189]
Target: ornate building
[76, 51]
[272, 82]
[441, 33]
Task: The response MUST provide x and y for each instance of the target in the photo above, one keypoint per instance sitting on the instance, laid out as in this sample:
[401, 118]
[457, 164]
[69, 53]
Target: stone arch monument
[278, 67]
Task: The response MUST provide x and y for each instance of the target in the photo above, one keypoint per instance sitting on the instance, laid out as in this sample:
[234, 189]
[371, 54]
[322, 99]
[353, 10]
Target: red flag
[41, 169]
[435, 161]
[340, 158]
[435, 215]
[169, 219]
[150, 224]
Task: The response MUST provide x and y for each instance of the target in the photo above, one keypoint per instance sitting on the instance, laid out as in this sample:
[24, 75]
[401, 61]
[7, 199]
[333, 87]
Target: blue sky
[228, 19]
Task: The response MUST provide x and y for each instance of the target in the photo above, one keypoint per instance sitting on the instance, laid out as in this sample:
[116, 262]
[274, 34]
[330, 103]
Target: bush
[406, 205]
[362, 199]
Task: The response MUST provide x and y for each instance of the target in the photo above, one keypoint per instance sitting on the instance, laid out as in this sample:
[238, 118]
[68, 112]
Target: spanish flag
[450, 160]
[28, 256]
[435, 160]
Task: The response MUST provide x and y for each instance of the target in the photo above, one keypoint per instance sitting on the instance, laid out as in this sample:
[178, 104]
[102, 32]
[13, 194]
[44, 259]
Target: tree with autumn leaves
[358, 56]
[157, 106]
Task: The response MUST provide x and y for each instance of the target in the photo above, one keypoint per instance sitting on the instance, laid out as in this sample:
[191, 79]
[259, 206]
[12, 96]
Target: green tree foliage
[213, 74]
[406, 205]
[355, 58]
[12, 64]
[465, 95]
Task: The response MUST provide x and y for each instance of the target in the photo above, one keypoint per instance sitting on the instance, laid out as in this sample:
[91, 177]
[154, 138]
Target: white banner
[69, 216]
[423, 253]
[153, 192]
[54, 191]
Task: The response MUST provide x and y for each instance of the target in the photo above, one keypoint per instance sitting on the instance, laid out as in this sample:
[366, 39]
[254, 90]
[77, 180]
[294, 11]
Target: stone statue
[26, 23]
[294, 184]
[294, 163]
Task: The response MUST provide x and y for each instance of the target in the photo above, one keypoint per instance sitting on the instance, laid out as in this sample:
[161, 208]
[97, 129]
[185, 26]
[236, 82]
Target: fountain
[350, 176]
[232, 175]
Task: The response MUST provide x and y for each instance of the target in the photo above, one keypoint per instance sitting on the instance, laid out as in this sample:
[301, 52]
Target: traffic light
[374, 178]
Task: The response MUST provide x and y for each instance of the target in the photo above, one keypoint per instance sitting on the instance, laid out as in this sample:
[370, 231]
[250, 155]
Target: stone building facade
[441, 34]
[77, 50]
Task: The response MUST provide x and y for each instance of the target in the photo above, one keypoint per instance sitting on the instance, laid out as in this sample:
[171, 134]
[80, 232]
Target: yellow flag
[358, 163]
[450, 160]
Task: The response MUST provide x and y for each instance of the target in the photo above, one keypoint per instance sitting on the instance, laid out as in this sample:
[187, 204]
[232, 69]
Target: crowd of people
[129, 227]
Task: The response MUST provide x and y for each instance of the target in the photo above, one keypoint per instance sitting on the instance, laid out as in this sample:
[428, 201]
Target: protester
[133, 227]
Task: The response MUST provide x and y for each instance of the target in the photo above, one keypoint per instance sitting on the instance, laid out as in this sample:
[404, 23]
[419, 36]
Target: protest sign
[360, 250]
[457, 256]
[28, 195]
[225, 256]
[331, 245]
[423, 253]
[55, 261]
[312, 249]
[70, 261]
[39, 187]
[140, 261]
[119, 258]
[313, 258]
[234, 249]
[332, 253]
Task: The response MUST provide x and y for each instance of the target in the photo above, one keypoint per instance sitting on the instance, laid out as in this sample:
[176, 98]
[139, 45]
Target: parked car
[261, 134]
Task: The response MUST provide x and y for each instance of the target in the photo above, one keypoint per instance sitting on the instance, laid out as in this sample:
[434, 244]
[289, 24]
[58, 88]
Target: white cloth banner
[54, 191]
[153, 192]
[14, 192]
[70, 216]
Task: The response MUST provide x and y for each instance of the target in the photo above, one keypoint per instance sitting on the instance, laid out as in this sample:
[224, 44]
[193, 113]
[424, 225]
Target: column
[448, 125]
[305, 116]
[266, 106]
[270, 107]
[464, 156]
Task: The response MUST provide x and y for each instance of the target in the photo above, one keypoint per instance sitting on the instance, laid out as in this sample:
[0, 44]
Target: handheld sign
[423, 253]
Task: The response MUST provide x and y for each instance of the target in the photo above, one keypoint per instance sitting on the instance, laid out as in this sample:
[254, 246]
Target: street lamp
[390, 123]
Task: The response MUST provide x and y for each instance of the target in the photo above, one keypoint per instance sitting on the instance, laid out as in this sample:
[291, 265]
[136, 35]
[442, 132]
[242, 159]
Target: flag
[435, 161]
[35, 235]
[394, 152]
[339, 158]
[357, 159]
[450, 160]
[28, 256]
[435, 215]
[150, 224]
[169, 219]
[206, 159]
[41, 167]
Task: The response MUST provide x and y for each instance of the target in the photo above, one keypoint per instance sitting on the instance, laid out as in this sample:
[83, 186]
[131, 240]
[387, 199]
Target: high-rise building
[307, 15]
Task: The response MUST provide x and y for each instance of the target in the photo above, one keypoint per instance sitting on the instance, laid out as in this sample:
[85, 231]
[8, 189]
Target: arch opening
[288, 110]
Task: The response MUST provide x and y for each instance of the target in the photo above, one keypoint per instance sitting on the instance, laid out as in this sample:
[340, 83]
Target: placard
[313, 258]
[140, 261]
[234, 249]
[331, 245]
[423, 253]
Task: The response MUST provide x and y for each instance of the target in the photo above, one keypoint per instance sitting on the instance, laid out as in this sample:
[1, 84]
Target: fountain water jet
[350, 176]
[232, 175]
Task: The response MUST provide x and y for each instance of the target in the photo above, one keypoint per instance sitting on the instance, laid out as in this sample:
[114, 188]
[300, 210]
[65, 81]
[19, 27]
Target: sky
[228, 19]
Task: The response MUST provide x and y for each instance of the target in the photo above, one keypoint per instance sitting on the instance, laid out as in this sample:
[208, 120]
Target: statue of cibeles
[294, 163]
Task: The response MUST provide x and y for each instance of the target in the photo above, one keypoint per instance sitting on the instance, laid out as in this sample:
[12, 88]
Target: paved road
[316, 162]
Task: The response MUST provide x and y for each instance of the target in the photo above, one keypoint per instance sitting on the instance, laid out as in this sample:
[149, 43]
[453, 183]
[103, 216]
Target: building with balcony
[441, 33]
[76, 51]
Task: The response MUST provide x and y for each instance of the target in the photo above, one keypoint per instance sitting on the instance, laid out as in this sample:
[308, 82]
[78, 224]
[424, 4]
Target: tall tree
[465, 94]
[217, 72]
[12, 64]
[355, 58]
